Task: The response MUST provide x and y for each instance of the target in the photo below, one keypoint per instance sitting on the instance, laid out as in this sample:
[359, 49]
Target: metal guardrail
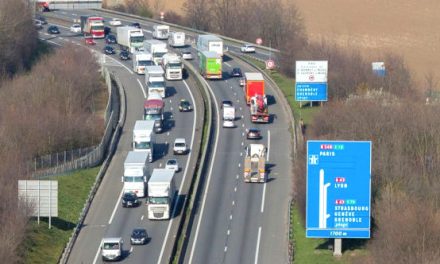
[110, 151]
[186, 29]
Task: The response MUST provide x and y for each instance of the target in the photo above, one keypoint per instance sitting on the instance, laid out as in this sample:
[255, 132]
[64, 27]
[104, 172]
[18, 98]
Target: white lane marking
[230, 217]
[74, 14]
[228, 64]
[97, 253]
[236, 187]
[168, 133]
[233, 203]
[148, 31]
[240, 108]
[263, 198]
[129, 70]
[229, 232]
[242, 143]
[258, 245]
[268, 145]
[142, 88]
[142, 217]
[242, 116]
[226, 248]
[64, 13]
[116, 207]
[131, 249]
[176, 202]
[171, 109]
[239, 165]
[209, 177]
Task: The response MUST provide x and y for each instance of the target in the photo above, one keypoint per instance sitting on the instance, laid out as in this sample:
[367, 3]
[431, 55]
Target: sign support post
[337, 249]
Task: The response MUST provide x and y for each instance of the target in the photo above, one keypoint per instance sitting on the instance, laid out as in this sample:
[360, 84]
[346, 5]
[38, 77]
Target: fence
[71, 160]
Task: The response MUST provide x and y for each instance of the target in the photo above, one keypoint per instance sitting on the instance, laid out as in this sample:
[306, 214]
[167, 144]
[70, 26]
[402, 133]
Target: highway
[235, 222]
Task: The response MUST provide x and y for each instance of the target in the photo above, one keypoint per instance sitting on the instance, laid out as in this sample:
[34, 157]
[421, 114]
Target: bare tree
[198, 14]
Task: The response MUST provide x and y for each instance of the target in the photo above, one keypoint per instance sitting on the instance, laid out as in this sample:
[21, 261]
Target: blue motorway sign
[338, 189]
[310, 92]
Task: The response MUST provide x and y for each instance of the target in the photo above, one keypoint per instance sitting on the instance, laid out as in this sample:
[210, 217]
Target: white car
[115, 22]
[172, 164]
[180, 146]
[228, 124]
[247, 48]
[187, 55]
[75, 28]
[242, 82]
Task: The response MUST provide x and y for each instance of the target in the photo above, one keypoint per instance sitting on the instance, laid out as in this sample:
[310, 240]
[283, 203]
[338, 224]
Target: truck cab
[141, 60]
[111, 248]
[255, 164]
[172, 65]
[161, 191]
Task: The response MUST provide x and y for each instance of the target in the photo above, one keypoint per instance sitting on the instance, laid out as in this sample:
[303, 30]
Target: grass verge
[45, 245]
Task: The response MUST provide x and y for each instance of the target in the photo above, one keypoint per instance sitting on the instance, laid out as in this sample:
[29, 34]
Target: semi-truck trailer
[141, 60]
[172, 65]
[161, 31]
[144, 138]
[154, 79]
[210, 65]
[93, 26]
[176, 39]
[153, 110]
[130, 38]
[210, 43]
[157, 48]
[254, 84]
[160, 194]
[135, 172]
[255, 163]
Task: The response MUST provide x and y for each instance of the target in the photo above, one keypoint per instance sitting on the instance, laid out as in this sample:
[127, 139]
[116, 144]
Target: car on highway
[89, 40]
[53, 30]
[242, 82]
[172, 164]
[109, 50]
[253, 133]
[136, 25]
[129, 199]
[42, 19]
[138, 236]
[184, 106]
[247, 48]
[226, 103]
[180, 146]
[124, 55]
[228, 124]
[186, 54]
[38, 24]
[115, 22]
[236, 72]
[107, 30]
[110, 39]
[75, 28]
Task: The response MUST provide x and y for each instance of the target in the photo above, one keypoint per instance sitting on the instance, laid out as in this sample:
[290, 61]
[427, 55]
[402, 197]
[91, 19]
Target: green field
[45, 245]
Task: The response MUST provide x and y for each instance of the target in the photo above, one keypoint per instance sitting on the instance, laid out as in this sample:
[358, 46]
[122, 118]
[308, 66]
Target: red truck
[92, 25]
[254, 84]
[153, 110]
[259, 110]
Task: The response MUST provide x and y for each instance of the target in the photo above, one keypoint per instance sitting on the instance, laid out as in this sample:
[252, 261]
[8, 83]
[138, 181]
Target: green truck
[210, 65]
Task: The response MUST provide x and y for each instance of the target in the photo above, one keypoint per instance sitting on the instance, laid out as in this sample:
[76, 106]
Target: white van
[111, 248]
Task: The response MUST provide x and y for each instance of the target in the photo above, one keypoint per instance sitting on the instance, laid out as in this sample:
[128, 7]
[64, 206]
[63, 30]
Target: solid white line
[268, 145]
[228, 64]
[129, 70]
[209, 177]
[264, 197]
[229, 232]
[142, 88]
[131, 249]
[176, 202]
[258, 245]
[97, 253]
[142, 217]
[116, 207]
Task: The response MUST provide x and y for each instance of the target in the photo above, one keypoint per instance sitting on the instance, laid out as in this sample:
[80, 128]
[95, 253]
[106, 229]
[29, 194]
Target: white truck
[160, 194]
[130, 38]
[172, 65]
[228, 116]
[210, 43]
[255, 163]
[156, 48]
[135, 172]
[141, 60]
[144, 137]
[111, 248]
[155, 81]
[161, 31]
[176, 39]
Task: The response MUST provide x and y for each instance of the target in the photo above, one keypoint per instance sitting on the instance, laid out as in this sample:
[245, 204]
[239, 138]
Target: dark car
[109, 50]
[124, 55]
[107, 30]
[53, 30]
[184, 106]
[110, 39]
[136, 25]
[129, 199]
[226, 103]
[253, 133]
[139, 236]
[236, 72]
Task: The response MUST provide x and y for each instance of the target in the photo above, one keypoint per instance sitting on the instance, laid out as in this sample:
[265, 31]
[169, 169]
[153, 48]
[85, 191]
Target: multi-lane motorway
[235, 222]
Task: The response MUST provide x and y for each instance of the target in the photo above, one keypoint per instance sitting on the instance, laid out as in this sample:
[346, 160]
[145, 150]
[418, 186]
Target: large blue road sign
[338, 189]
[310, 92]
